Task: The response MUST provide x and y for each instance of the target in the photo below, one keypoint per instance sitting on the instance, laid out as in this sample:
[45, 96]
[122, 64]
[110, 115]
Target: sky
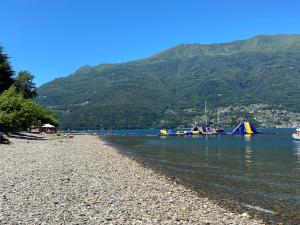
[53, 38]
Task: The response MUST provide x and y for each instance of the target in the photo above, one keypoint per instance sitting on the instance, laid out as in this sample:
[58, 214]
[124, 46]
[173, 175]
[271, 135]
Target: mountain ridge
[157, 90]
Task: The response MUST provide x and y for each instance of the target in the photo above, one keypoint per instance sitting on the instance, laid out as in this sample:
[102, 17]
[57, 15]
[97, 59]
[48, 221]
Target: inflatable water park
[243, 128]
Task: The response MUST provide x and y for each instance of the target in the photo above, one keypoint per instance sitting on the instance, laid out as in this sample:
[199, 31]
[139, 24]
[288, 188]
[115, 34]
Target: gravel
[84, 181]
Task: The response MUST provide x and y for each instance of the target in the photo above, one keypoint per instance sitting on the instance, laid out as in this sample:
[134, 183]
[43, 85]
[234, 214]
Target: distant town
[262, 115]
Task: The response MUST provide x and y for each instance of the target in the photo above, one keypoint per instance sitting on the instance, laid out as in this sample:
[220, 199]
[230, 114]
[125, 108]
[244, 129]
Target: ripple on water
[261, 172]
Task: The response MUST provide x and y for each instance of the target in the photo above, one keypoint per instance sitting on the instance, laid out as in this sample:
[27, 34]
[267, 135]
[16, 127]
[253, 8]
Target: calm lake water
[258, 172]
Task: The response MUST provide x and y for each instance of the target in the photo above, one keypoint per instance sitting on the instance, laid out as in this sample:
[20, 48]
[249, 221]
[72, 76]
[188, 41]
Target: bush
[18, 113]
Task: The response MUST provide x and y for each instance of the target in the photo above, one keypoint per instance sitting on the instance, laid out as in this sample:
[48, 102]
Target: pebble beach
[82, 180]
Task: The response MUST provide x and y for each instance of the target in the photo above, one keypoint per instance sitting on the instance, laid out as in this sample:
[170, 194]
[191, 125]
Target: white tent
[47, 125]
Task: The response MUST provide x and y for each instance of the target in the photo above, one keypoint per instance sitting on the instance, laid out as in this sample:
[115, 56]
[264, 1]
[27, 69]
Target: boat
[297, 134]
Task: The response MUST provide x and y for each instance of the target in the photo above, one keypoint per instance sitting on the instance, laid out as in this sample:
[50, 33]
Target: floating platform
[194, 131]
[243, 128]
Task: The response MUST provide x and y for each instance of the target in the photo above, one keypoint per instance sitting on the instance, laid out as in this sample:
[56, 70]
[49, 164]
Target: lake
[260, 173]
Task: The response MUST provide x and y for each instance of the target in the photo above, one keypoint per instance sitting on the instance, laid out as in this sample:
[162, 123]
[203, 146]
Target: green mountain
[169, 89]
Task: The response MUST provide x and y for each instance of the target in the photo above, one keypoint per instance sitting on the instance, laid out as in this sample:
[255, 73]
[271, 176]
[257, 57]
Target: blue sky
[53, 38]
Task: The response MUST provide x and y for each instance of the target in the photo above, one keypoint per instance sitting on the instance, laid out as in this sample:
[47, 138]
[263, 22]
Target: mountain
[169, 88]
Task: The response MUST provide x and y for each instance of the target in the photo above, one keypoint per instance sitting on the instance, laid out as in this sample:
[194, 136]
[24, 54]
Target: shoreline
[84, 180]
[257, 207]
[254, 212]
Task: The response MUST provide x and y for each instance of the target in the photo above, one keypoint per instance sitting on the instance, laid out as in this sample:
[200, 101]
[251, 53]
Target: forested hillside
[169, 89]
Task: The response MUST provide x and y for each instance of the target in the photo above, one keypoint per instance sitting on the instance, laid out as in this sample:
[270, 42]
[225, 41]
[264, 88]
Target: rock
[245, 215]
[83, 180]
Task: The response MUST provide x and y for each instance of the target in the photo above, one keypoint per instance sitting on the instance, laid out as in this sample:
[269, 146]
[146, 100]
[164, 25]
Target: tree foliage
[24, 84]
[18, 113]
[17, 110]
[6, 73]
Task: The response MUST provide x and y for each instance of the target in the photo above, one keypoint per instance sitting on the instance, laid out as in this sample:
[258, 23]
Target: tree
[24, 84]
[18, 113]
[6, 72]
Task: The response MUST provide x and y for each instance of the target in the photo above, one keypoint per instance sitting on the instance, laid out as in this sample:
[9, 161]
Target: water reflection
[259, 170]
[247, 137]
[206, 147]
[297, 150]
[248, 158]
[248, 153]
